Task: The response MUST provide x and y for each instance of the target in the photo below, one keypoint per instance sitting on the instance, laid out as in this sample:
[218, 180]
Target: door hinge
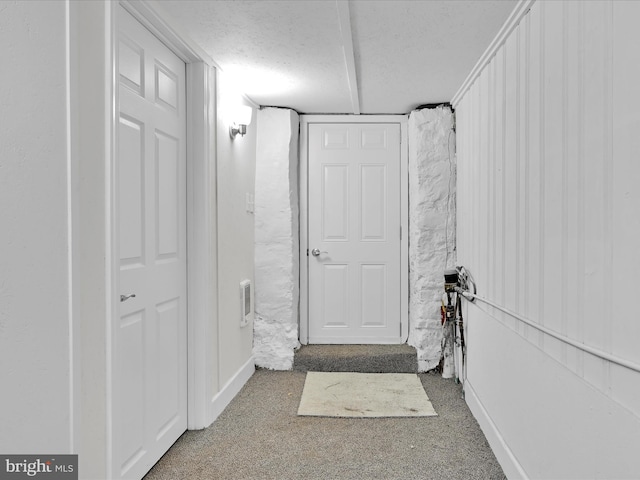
[307, 252]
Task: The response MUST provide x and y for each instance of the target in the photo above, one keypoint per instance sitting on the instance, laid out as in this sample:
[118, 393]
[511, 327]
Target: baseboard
[510, 465]
[227, 393]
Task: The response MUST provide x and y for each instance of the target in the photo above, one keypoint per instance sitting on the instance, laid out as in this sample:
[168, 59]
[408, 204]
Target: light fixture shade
[242, 115]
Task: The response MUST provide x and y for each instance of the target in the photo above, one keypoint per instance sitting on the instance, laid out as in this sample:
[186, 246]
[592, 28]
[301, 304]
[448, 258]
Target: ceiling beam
[344, 18]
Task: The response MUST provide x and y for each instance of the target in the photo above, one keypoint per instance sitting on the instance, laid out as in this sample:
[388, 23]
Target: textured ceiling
[328, 56]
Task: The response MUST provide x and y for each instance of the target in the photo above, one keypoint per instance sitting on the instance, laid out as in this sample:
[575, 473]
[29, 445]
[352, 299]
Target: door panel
[131, 187]
[354, 223]
[335, 285]
[168, 391]
[335, 203]
[130, 358]
[373, 285]
[149, 341]
[373, 199]
[168, 193]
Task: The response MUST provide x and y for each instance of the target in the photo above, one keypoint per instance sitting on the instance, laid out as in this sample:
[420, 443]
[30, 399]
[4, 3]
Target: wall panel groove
[499, 205]
[564, 254]
[581, 213]
[607, 175]
[485, 186]
[525, 180]
[541, 159]
[518, 166]
[492, 160]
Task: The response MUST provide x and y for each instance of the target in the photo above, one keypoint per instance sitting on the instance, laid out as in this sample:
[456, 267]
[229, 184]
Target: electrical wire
[446, 226]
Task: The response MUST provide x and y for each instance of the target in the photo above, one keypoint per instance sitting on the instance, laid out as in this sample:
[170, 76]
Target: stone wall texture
[432, 220]
[277, 267]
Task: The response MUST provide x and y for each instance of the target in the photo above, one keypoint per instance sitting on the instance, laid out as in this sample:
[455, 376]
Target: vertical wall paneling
[485, 178]
[492, 167]
[479, 149]
[509, 176]
[499, 204]
[523, 155]
[471, 171]
[534, 179]
[571, 179]
[581, 213]
[548, 141]
[488, 225]
[552, 165]
[608, 168]
[517, 266]
[564, 237]
[541, 166]
[625, 143]
[594, 107]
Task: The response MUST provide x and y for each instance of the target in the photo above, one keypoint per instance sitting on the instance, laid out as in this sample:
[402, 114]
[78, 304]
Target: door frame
[201, 216]
[305, 121]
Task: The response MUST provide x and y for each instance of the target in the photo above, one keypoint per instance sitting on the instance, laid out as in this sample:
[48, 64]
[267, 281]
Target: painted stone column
[277, 263]
[432, 221]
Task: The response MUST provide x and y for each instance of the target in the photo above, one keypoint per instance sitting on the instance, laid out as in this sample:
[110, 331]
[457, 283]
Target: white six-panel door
[149, 336]
[354, 233]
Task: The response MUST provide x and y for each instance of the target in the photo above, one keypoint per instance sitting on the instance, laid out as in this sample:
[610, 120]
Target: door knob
[316, 252]
[124, 298]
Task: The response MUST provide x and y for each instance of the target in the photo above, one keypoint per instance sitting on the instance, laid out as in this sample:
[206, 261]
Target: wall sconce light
[240, 118]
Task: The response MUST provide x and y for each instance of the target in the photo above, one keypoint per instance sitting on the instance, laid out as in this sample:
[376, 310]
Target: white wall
[548, 224]
[277, 239]
[235, 178]
[35, 348]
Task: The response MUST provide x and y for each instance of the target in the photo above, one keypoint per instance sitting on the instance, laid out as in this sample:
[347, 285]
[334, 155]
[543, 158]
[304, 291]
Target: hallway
[260, 436]
[521, 146]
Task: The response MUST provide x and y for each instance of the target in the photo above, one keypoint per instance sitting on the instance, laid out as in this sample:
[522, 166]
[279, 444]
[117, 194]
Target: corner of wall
[230, 389]
[91, 99]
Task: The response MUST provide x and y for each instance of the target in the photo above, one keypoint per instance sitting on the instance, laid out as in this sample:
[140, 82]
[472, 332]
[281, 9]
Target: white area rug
[345, 394]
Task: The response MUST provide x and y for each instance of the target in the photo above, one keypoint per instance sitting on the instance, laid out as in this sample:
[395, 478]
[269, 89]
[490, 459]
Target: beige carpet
[346, 394]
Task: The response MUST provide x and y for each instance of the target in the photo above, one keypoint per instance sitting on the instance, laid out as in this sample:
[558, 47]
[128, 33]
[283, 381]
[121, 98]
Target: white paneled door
[354, 233]
[150, 335]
